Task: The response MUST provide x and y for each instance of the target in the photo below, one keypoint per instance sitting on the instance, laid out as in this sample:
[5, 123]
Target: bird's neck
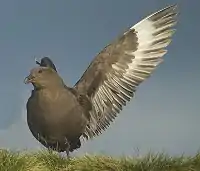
[50, 94]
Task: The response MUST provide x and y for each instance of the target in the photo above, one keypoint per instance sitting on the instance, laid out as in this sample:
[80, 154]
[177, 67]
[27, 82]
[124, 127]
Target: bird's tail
[75, 145]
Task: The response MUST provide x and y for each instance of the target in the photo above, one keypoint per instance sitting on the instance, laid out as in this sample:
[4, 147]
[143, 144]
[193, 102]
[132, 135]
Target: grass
[50, 161]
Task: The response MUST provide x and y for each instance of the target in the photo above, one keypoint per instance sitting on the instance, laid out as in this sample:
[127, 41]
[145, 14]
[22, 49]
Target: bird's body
[58, 115]
[52, 124]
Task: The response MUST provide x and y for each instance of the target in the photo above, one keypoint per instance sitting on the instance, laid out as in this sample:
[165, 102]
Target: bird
[61, 117]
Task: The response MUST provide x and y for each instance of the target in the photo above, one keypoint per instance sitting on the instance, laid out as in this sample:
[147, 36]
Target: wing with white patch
[114, 75]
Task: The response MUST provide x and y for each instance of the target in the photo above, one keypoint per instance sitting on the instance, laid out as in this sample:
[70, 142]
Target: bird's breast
[57, 103]
[56, 114]
[57, 108]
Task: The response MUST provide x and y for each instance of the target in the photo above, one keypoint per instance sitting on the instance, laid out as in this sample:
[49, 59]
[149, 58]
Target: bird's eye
[40, 71]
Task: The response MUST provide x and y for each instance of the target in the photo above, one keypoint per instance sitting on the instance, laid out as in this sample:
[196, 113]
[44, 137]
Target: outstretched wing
[46, 62]
[114, 75]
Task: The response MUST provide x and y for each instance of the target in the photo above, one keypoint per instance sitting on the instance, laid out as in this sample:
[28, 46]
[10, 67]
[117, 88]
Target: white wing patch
[154, 35]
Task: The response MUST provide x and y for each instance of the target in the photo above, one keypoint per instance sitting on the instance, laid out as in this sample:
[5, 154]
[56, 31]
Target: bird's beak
[29, 79]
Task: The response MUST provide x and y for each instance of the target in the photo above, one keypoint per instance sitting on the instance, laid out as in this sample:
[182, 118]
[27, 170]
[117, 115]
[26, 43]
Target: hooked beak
[29, 79]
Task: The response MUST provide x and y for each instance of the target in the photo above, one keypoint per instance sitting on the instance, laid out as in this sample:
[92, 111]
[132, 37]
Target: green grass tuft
[50, 161]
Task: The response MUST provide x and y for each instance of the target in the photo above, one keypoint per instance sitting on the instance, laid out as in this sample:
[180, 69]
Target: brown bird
[59, 116]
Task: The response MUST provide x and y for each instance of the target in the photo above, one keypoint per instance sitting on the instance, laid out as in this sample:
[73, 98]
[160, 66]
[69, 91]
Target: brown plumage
[58, 116]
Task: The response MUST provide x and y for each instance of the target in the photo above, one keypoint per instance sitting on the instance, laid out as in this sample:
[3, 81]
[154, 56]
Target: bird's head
[43, 77]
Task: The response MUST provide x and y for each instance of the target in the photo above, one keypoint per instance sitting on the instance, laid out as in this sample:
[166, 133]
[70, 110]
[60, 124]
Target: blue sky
[163, 116]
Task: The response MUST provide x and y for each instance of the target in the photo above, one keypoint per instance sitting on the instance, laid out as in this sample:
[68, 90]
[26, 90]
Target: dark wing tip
[47, 62]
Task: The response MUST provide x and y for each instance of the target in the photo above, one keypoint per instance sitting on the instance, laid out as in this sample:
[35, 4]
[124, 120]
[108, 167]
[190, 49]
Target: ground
[49, 161]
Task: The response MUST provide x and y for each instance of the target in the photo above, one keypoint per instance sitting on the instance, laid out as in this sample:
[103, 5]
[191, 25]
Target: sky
[162, 117]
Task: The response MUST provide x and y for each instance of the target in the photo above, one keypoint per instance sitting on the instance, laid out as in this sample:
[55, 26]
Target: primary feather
[114, 75]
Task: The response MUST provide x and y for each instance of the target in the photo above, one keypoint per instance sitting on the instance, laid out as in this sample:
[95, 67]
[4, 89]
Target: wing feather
[123, 65]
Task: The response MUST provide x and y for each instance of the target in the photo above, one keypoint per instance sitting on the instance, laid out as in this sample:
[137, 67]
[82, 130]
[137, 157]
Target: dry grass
[50, 161]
